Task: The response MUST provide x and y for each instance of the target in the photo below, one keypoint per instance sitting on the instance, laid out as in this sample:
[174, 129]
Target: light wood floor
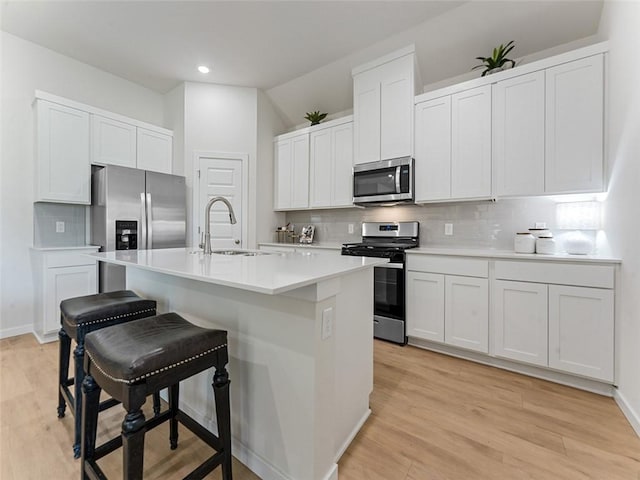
[434, 418]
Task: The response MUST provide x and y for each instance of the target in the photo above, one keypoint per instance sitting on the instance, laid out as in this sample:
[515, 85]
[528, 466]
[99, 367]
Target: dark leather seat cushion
[100, 310]
[135, 351]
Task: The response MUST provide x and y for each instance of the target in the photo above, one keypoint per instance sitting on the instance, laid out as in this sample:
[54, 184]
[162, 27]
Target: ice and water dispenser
[126, 235]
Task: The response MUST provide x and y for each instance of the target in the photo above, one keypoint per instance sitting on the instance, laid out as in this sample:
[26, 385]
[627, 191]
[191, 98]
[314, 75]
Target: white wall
[174, 120]
[25, 68]
[269, 125]
[220, 119]
[619, 23]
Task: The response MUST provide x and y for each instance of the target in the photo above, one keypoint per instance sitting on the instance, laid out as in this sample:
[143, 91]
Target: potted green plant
[315, 117]
[497, 61]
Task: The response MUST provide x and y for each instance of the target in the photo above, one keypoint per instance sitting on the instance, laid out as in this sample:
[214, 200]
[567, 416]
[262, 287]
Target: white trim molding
[15, 331]
[632, 416]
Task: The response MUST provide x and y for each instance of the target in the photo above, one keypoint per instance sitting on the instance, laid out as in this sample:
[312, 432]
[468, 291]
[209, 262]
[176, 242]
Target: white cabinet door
[300, 171]
[63, 172]
[62, 283]
[113, 142]
[466, 319]
[282, 177]
[342, 182]
[433, 149]
[155, 151]
[366, 117]
[518, 134]
[581, 331]
[397, 93]
[425, 306]
[471, 143]
[574, 126]
[520, 321]
[321, 159]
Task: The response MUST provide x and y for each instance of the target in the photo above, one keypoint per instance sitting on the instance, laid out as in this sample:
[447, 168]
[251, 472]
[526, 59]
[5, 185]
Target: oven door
[389, 302]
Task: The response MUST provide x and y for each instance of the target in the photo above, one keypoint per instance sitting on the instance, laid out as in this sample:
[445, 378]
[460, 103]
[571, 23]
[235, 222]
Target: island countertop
[272, 273]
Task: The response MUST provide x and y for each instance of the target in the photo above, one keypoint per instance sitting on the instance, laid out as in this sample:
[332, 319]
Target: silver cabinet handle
[143, 223]
[397, 266]
[149, 223]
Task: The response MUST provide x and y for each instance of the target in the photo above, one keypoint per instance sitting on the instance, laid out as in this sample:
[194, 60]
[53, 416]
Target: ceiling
[300, 52]
[261, 44]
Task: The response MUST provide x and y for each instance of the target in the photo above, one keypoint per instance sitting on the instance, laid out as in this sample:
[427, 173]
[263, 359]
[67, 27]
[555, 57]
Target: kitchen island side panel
[297, 400]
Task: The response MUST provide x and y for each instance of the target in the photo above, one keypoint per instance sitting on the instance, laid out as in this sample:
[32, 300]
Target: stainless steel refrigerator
[134, 210]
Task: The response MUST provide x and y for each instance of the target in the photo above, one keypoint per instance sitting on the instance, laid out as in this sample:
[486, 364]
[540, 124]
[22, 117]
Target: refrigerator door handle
[149, 223]
[142, 241]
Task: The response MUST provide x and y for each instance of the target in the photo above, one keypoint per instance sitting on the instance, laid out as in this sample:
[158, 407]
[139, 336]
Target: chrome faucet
[206, 243]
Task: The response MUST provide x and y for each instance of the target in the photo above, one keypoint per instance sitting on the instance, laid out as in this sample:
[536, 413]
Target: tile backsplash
[475, 224]
[45, 216]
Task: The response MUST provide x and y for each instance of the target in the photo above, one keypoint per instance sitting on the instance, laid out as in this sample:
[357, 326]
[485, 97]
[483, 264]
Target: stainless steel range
[387, 240]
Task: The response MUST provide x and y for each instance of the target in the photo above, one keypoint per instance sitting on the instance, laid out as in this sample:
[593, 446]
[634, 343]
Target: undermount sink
[244, 253]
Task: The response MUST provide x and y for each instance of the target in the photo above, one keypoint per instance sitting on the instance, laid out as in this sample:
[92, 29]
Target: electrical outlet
[448, 228]
[350, 228]
[59, 227]
[327, 323]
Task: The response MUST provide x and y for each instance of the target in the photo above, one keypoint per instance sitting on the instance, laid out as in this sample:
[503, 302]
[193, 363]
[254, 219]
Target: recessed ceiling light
[203, 69]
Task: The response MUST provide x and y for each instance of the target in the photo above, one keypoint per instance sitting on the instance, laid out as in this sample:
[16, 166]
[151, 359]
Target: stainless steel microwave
[387, 181]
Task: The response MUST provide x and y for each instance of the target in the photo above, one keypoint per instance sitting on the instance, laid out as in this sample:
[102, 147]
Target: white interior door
[222, 177]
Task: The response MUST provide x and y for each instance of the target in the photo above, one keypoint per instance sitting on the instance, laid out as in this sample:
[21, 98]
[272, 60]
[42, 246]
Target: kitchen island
[300, 345]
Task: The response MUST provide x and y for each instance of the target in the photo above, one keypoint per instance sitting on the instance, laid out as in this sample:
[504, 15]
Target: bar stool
[131, 361]
[79, 316]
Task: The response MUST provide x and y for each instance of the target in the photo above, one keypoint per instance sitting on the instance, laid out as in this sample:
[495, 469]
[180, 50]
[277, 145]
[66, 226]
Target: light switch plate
[350, 228]
[59, 227]
[448, 228]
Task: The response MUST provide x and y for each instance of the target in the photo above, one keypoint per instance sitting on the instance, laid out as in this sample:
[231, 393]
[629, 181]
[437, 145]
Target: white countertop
[508, 254]
[332, 246]
[272, 274]
[64, 249]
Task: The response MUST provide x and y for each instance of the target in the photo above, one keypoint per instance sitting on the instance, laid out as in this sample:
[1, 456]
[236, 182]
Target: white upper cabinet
[292, 172]
[433, 149]
[154, 151]
[574, 126]
[331, 164]
[518, 134]
[383, 95]
[112, 142]
[63, 170]
[471, 143]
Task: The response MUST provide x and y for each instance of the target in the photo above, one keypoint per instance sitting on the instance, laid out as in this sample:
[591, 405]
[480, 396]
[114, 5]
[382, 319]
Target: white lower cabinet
[466, 313]
[445, 303]
[520, 321]
[425, 306]
[581, 331]
[60, 275]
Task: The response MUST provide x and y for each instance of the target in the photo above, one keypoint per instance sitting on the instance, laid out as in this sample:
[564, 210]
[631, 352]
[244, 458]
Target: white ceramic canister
[546, 245]
[536, 232]
[524, 242]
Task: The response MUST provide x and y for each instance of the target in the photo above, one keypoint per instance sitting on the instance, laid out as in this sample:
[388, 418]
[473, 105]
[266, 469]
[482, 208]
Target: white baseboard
[333, 474]
[632, 416]
[47, 338]
[351, 436]
[15, 331]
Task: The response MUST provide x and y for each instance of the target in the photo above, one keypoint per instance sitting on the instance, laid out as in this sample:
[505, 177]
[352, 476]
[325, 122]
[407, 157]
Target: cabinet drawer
[599, 276]
[468, 267]
[54, 260]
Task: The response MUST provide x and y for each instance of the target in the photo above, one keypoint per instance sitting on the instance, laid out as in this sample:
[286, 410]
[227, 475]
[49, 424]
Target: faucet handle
[201, 244]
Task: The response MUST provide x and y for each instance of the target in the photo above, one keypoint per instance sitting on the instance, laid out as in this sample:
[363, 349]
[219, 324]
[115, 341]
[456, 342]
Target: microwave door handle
[398, 169]
[142, 241]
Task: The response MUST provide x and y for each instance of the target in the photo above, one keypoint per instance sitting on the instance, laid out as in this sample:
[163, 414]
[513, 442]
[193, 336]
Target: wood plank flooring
[434, 418]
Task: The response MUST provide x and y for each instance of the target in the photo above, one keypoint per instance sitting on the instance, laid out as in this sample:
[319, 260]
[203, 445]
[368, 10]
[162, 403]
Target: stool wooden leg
[63, 364]
[90, 408]
[223, 414]
[156, 404]
[78, 357]
[174, 396]
[133, 431]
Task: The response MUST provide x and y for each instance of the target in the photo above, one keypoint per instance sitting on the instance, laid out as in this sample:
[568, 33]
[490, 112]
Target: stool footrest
[68, 398]
[205, 468]
[110, 402]
[93, 471]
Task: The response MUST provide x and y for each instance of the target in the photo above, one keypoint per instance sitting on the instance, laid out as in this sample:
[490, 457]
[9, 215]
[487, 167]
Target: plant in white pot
[498, 60]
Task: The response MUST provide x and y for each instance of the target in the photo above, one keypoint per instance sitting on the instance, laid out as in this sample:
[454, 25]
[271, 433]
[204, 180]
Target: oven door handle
[398, 170]
[397, 266]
